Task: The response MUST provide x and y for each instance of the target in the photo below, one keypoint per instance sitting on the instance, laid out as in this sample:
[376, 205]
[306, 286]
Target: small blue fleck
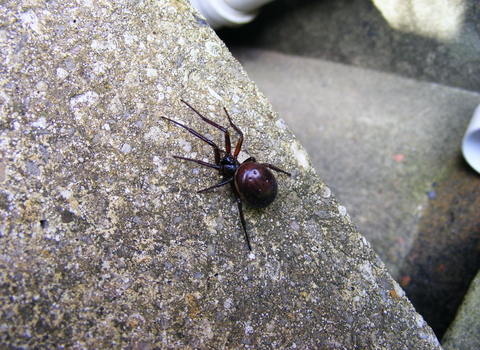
[432, 194]
[201, 21]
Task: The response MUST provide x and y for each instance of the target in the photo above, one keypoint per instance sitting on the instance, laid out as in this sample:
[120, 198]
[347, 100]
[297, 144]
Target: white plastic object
[228, 13]
[471, 141]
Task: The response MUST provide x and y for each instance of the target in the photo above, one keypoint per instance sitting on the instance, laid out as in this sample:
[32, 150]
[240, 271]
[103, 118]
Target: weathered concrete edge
[464, 332]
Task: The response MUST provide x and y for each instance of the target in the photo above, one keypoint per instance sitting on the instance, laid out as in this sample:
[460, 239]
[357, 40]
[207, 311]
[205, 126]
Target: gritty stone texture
[104, 242]
[464, 332]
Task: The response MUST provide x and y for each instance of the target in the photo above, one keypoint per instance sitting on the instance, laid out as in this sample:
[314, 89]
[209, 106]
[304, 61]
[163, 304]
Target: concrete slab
[464, 332]
[390, 149]
[423, 40]
[104, 242]
[381, 141]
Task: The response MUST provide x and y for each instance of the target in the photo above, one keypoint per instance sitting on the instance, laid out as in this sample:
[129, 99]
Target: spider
[252, 183]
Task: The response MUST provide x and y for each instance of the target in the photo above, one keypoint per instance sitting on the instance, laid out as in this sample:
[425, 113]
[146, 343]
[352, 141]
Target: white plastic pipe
[471, 141]
[246, 5]
[228, 13]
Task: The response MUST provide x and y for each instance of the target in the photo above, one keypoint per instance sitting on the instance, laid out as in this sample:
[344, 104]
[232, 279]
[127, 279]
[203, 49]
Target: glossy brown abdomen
[256, 185]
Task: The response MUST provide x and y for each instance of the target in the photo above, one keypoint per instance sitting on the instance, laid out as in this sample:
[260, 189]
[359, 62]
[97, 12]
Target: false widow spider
[252, 183]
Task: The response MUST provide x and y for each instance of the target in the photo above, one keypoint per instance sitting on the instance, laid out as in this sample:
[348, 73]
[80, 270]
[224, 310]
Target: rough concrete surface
[464, 332]
[104, 242]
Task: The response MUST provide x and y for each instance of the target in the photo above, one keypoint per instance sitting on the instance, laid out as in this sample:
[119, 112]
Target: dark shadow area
[446, 256]
[354, 32]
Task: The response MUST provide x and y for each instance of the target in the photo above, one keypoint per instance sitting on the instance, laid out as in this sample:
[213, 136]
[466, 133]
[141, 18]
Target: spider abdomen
[255, 185]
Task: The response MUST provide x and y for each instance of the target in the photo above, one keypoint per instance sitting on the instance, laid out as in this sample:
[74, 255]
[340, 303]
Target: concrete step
[389, 148]
[463, 333]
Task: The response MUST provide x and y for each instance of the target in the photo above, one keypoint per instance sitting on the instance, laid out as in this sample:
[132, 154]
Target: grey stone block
[105, 243]
[464, 332]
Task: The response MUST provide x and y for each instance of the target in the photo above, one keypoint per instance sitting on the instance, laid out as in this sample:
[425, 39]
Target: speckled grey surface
[104, 242]
[464, 332]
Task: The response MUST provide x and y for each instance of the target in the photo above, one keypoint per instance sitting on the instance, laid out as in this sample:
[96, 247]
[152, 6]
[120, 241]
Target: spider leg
[228, 145]
[220, 184]
[216, 150]
[242, 219]
[199, 162]
[273, 167]
[238, 147]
